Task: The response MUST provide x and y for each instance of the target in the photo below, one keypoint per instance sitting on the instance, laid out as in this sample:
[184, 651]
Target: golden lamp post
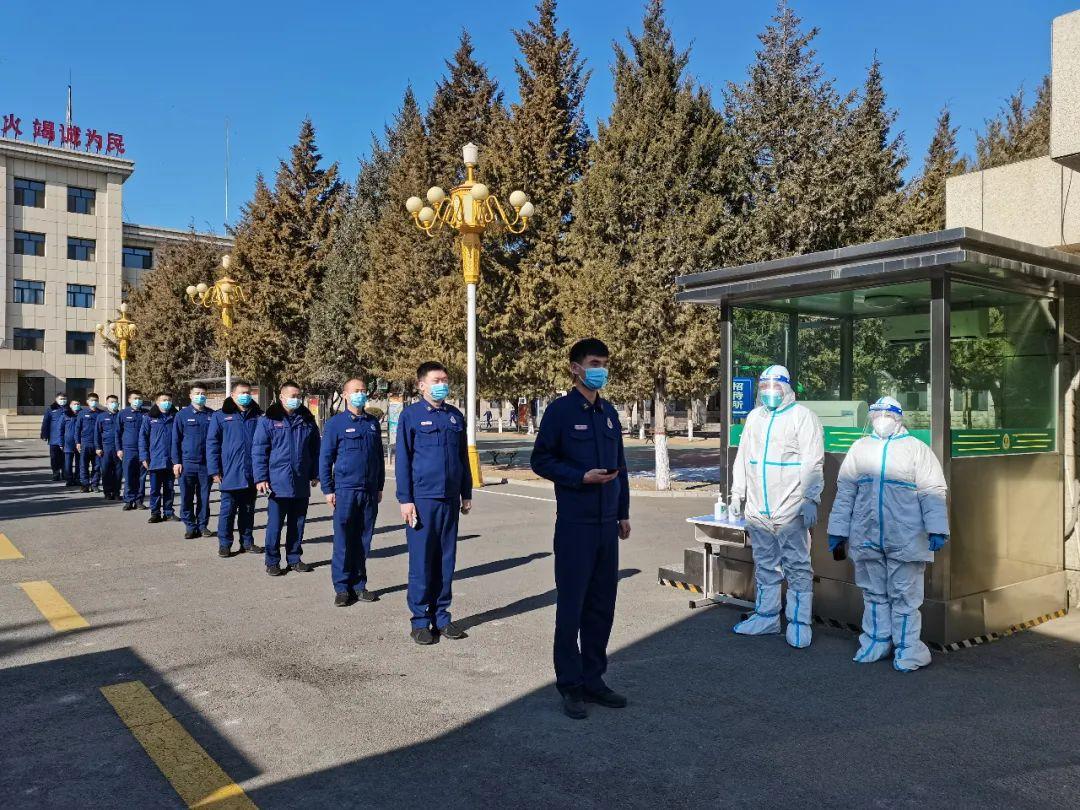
[123, 332]
[224, 294]
[469, 209]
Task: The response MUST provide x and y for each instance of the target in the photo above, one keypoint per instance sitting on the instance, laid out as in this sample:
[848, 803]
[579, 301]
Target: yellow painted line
[193, 774]
[8, 550]
[61, 615]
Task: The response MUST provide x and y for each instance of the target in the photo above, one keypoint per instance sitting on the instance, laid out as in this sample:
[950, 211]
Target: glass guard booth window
[844, 351]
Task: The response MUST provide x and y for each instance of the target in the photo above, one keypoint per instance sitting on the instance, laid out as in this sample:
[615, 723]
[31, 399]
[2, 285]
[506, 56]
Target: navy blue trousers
[290, 513]
[110, 472]
[586, 579]
[432, 556]
[237, 508]
[161, 492]
[134, 477]
[89, 468]
[354, 522]
[71, 466]
[195, 499]
[56, 458]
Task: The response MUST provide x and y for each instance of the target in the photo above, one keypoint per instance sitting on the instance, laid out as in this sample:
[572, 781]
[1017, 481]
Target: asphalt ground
[302, 704]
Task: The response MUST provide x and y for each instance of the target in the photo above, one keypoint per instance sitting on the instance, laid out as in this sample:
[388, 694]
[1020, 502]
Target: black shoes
[606, 697]
[56, 477]
[190, 535]
[422, 636]
[342, 600]
[573, 705]
[154, 519]
[207, 533]
[224, 553]
[173, 518]
[452, 631]
[366, 596]
[274, 571]
[85, 488]
[301, 567]
[128, 507]
[139, 505]
[254, 547]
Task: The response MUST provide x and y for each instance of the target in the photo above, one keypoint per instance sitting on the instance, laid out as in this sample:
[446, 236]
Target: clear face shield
[886, 417]
[774, 388]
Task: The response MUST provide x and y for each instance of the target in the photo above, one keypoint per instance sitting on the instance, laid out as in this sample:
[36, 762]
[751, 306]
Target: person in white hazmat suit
[778, 475]
[890, 509]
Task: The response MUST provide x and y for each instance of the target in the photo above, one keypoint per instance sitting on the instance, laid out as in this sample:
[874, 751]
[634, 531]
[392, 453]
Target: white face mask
[884, 425]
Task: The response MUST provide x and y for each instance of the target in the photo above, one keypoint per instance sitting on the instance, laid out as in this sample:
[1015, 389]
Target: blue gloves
[835, 542]
[937, 541]
[809, 514]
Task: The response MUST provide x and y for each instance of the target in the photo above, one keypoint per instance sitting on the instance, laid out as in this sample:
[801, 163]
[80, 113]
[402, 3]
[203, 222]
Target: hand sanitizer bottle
[720, 508]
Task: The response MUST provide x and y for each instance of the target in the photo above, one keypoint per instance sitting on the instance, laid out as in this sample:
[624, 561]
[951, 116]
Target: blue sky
[166, 75]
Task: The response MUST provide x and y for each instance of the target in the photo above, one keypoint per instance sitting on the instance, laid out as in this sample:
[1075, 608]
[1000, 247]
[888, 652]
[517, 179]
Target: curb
[634, 493]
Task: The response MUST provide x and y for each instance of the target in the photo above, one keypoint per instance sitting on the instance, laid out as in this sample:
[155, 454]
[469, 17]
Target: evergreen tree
[1017, 132]
[282, 243]
[657, 202]
[176, 340]
[924, 205]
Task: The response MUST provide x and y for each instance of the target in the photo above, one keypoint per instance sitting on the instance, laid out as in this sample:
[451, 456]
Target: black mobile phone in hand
[610, 470]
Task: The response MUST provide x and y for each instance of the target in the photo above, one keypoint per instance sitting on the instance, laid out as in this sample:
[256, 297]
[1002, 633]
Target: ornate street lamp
[469, 209]
[122, 333]
[224, 294]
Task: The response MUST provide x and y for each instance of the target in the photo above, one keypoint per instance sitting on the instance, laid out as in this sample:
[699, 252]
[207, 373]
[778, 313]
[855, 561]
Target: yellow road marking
[61, 615]
[193, 774]
[8, 550]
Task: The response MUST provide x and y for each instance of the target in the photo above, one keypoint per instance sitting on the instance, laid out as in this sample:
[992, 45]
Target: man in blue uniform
[105, 444]
[579, 447]
[71, 443]
[433, 484]
[284, 463]
[52, 433]
[352, 473]
[189, 464]
[228, 462]
[85, 443]
[156, 454]
[128, 431]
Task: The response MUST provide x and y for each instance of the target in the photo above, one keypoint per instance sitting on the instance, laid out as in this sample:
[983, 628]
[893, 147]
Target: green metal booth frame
[965, 328]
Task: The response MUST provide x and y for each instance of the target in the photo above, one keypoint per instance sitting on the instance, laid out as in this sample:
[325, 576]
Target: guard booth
[964, 328]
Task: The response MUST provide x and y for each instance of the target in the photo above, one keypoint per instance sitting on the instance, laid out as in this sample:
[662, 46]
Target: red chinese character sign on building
[93, 139]
[71, 136]
[11, 125]
[115, 143]
[45, 130]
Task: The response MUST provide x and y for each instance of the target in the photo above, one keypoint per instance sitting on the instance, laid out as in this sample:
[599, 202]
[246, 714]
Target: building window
[28, 292]
[80, 342]
[30, 193]
[79, 387]
[80, 295]
[29, 340]
[31, 392]
[29, 244]
[138, 258]
[81, 200]
[81, 250]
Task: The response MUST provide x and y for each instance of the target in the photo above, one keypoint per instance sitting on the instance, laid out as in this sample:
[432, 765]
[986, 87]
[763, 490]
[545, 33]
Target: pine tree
[1017, 132]
[282, 244]
[176, 340]
[657, 202]
[523, 339]
[924, 205]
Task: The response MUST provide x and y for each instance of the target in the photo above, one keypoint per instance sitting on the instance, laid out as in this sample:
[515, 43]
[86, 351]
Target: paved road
[304, 704]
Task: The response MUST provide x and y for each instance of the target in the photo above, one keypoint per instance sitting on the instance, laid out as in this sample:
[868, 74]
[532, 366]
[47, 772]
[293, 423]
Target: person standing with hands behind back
[156, 453]
[433, 484]
[579, 447]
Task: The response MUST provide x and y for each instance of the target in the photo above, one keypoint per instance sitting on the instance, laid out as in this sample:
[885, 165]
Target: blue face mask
[243, 400]
[199, 399]
[136, 404]
[113, 406]
[358, 399]
[165, 406]
[292, 403]
[439, 391]
[595, 378]
[75, 406]
[61, 402]
[772, 400]
[92, 403]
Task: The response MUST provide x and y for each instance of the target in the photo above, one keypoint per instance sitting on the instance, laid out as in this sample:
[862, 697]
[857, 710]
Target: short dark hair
[288, 384]
[238, 383]
[583, 348]
[428, 367]
[92, 394]
[134, 393]
[112, 396]
[61, 393]
[197, 385]
[162, 394]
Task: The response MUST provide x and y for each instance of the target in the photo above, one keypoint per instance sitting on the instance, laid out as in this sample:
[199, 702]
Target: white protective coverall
[890, 495]
[777, 471]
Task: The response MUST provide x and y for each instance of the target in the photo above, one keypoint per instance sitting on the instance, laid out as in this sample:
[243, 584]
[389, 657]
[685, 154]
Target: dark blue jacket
[105, 437]
[86, 430]
[228, 444]
[156, 440]
[285, 451]
[129, 428]
[352, 454]
[432, 456]
[52, 425]
[71, 422]
[189, 438]
[575, 437]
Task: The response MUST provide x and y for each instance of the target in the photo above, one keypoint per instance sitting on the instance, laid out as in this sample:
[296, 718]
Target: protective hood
[770, 378]
[886, 418]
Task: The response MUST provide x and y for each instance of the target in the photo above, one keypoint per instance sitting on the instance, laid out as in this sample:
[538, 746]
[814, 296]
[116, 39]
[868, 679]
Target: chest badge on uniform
[581, 427]
[610, 424]
[425, 424]
[228, 418]
[350, 430]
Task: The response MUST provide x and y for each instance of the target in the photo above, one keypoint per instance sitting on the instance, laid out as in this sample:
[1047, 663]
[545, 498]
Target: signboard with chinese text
[742, 397]
[64, 135]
